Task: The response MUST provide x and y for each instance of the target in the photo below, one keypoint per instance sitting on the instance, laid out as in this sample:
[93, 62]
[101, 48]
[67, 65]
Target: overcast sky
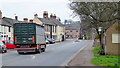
[27, 8]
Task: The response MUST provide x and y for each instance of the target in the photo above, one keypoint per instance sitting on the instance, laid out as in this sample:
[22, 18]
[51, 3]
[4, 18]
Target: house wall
[72, 33]
[47, 29]
[36, 20]
[5, 33]
[60, 32]
[112, 48]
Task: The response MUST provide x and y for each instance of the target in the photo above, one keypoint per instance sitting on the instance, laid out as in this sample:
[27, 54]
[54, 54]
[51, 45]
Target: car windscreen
[48, 39]
[10, 42]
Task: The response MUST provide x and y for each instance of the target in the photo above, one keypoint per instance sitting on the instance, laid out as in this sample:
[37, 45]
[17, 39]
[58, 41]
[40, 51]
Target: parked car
[9, 44]
[51, 41]
[47, 42]
[2, 47]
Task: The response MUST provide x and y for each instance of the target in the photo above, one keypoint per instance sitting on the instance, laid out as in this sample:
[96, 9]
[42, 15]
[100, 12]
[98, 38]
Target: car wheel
[5, 51]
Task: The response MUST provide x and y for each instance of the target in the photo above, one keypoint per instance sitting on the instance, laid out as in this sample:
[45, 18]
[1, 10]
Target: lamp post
[100, 34]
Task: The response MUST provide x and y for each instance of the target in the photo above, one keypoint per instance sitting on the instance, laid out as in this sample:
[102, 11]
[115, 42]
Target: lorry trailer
[30, 37]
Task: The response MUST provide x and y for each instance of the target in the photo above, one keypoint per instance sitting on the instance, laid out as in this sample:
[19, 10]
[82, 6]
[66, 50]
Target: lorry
[30, 37]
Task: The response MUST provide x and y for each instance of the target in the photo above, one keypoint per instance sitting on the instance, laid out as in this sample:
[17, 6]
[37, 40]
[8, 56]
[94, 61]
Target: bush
[97, 36]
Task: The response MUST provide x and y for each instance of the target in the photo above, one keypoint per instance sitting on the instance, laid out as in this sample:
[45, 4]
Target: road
[57, 54]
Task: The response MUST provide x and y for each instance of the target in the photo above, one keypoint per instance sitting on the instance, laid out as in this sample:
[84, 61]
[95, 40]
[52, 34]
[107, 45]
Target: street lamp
[100, 34]
[99, 29]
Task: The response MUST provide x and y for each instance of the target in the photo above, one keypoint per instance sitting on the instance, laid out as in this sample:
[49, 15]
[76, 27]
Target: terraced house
[53, 27]
[6, 27]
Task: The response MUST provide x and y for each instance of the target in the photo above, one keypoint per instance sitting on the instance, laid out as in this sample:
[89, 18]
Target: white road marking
[33, 56]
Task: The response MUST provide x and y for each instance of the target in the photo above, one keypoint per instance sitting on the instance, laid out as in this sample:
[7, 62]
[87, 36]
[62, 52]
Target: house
[112, 40]
[53, 27]
[72, 30]
[6, 27]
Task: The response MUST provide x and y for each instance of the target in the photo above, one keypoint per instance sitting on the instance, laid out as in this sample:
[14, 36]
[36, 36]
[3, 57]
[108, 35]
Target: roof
[7, 21]
[57, 22]
[51, 21]
[47, 21]
[72, 26]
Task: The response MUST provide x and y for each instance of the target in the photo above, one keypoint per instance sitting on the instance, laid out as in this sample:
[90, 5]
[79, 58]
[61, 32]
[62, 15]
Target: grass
[105, 60]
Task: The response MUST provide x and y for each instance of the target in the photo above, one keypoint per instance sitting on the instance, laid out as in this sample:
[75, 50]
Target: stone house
[53, 27]
[112, 40]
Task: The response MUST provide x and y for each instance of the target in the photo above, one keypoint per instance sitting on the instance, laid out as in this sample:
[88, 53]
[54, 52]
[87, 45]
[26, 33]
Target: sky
[27, 8]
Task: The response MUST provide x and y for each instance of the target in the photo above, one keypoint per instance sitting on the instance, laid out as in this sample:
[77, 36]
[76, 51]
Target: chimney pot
[16, 17]
[51, 16]
[25, 20]
[45, 14]
[0, 14]
[35, 15]
[54, 16]
[31, 20]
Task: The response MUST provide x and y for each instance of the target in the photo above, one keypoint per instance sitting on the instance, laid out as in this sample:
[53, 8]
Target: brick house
[112, 42]
[72, 30]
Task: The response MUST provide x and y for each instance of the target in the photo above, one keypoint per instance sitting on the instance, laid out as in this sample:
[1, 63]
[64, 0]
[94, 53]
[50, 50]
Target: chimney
[25, 20]
[16, 17]
[45, 14]
[51, 16]
[0, 14]
[31, 20]
[35, 15]
[54, 16]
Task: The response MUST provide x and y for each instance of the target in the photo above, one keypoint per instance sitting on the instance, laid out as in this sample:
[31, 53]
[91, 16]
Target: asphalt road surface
[57, 54]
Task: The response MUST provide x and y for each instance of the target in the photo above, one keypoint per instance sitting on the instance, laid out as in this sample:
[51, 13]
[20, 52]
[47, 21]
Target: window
[9, 38]
[8, 29]
[55, 29]
[52, 28]
[76, 35]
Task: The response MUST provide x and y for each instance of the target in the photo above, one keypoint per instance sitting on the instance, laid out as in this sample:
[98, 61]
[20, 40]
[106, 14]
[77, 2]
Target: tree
[96, 14]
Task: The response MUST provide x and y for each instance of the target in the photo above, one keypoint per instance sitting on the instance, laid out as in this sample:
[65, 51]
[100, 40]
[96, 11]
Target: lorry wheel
[38, 51]
[20, 53]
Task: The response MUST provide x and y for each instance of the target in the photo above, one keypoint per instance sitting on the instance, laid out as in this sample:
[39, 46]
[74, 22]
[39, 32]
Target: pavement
[84, 57]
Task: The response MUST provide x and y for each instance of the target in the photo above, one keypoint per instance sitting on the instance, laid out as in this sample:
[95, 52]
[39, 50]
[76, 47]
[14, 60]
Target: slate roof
[8, 21]
[75, 26]
[47, 21]
[51, 21]
[57, 22]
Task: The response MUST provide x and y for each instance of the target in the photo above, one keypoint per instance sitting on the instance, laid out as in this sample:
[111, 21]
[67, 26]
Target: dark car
[2, 47]
[51, 41]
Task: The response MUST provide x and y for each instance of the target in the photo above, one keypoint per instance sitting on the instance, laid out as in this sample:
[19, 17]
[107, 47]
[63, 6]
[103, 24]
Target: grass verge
[105, 60]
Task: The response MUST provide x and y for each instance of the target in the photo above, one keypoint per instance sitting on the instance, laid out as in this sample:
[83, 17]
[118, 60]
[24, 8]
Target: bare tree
[96, 14]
